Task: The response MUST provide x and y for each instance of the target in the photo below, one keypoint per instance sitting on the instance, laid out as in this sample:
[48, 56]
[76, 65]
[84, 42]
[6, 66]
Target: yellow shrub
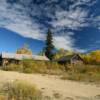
[21, 90]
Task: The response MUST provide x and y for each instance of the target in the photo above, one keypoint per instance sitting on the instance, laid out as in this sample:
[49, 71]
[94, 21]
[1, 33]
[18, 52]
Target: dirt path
[53, 86]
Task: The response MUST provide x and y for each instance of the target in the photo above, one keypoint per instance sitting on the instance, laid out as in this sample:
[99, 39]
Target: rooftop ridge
[23, 56]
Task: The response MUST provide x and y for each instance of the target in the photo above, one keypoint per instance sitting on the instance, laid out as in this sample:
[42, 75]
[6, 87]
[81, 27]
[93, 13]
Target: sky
[75, 24]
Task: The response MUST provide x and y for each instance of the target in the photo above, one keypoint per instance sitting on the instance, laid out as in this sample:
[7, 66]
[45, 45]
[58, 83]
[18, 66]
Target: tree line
[48, 51]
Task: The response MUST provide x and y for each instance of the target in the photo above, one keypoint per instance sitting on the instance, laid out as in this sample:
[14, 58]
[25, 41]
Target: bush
[11, 67]
[82, 68]
[33, 66]
[30, 66]
[21, 90]
[87, 73]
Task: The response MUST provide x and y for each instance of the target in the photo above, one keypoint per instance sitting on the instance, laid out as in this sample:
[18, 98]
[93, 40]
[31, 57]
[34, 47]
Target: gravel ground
[55, 88]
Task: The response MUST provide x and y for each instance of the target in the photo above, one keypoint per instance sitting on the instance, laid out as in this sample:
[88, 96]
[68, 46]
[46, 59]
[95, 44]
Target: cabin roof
[68, 57]
[23, 56]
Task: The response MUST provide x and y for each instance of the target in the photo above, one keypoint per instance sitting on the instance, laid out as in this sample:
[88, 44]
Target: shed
[71, 59]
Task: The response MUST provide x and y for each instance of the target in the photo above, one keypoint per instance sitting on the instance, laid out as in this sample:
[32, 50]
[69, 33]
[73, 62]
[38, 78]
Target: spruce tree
[49, 45]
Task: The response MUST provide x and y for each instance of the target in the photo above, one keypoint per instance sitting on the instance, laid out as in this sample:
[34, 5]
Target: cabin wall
[64, 62]
[76, 61]
[6, 61]
[73, 60]
[0, 60]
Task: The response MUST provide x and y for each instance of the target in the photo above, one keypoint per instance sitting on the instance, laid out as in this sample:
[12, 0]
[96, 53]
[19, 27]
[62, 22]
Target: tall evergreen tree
[49, 45]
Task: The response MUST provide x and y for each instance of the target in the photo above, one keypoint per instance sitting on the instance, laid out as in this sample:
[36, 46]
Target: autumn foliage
[92, 57]
[24, 50]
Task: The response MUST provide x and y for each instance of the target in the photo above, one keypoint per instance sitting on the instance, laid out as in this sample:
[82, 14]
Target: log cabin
[71, 59]
[6, 58]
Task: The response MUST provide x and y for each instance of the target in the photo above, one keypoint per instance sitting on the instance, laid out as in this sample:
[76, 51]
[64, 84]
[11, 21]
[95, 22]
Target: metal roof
[68, 57]
[65, 58]
[23, 56]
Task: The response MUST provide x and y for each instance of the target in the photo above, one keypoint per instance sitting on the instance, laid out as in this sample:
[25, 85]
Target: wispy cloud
[73, 19]
[96, 21]
[64, 41]
[31, 18]
[16, 19]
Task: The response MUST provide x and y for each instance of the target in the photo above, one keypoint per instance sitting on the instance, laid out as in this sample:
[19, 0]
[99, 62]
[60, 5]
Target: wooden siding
[71, 59]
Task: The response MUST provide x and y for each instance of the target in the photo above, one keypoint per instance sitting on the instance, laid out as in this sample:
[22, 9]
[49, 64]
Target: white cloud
[73, 19]
[67, 43]
[63, 42]
[96, 21]
[80, 50]
[16, 17]
[18, 21]
[83, 2]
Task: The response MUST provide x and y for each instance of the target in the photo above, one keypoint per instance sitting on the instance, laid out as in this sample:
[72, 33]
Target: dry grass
[78, 72]
[20, 90]
[52, 87]
[86, 73]
[30, 66]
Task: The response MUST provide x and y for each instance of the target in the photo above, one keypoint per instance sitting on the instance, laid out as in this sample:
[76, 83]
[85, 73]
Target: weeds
[78, 72]
[21, 90]
[86, 73]
[30, 66]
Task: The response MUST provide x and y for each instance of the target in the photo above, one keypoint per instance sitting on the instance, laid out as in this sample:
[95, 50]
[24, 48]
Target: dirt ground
[54, 87]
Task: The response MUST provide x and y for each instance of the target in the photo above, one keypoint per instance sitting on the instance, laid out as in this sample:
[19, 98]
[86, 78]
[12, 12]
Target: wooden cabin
[6, 58]
[70, 59]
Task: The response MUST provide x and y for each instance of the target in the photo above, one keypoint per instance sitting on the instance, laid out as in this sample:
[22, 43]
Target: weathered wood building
[6, 58]
[71, 59]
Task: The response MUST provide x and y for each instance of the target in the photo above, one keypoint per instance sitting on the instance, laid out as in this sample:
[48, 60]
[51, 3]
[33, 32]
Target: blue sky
[10, 41]
[75, 24]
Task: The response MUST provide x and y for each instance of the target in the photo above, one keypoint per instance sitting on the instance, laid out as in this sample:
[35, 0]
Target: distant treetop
[24, 50]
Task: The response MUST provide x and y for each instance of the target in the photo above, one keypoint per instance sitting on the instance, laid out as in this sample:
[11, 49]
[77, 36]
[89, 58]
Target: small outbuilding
[71, 59]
